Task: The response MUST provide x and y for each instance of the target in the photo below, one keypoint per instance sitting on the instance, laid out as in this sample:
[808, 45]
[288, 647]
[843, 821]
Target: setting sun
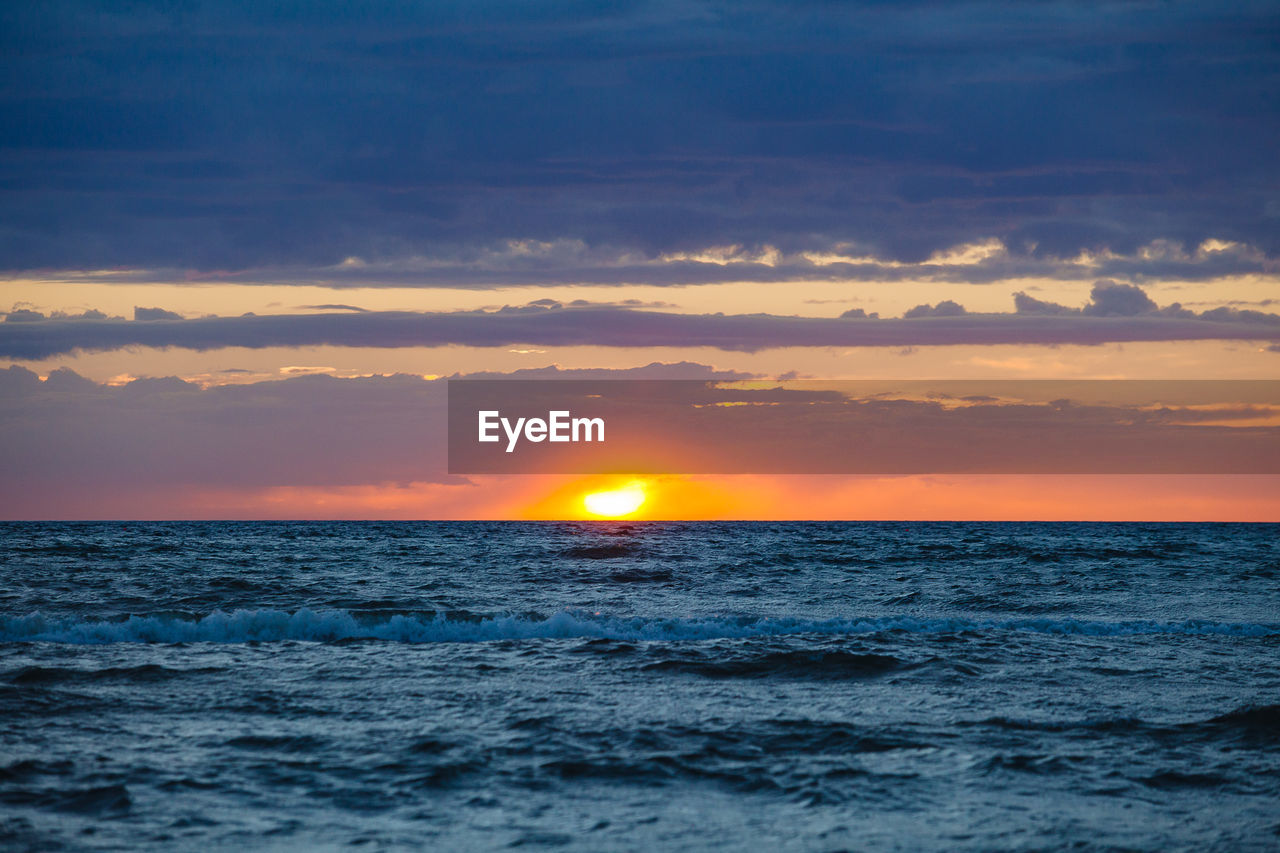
[616, 503]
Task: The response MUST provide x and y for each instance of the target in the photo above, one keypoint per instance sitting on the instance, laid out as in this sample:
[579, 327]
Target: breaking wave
[264, 625]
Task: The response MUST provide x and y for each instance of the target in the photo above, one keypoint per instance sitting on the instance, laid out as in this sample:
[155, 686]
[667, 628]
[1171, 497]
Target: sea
[597, 686]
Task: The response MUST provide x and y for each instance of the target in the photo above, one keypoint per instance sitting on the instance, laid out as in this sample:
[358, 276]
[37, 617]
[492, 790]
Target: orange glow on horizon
[746, 497]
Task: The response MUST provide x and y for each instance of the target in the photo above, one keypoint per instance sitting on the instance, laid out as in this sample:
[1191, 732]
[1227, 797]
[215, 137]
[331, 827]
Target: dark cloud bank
[67, 437]
[241, 136]
[72, 442]
[1116, 312]
[877, 427]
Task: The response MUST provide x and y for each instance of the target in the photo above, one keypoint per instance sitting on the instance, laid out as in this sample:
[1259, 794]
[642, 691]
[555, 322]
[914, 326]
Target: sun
[616, 503]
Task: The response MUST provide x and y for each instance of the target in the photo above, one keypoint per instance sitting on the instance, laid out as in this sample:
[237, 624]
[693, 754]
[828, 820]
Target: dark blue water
[611, 686]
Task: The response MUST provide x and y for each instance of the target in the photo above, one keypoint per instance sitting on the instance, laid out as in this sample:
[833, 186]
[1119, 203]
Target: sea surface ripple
[639, 686]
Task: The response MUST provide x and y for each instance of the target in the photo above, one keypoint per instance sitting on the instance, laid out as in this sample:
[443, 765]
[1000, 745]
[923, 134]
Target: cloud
[17, 382]
[166, 432]
[66, 379]
[1109, 299]
[621, 303]
[915, 427]
[28, 315]
[23, 315]
[653, 370]
[232, 137]
[332, 306]
[151, 314]
[945, 308]
[77, 447]
[1024, 304]
[72, 442]
[512, 262]
[1116, 314]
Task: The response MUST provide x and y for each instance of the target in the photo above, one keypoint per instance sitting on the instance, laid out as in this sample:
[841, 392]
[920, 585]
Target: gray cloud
[23, 315]
[1109, 299]
[1024, 304]
[520, 262]
[945, 308]
[150, 314]
[331, 306]
[247, 137]
[1017, 427]
[621, 327]
[314, 430]
[28, 315]
[74, 447]
[653, 370]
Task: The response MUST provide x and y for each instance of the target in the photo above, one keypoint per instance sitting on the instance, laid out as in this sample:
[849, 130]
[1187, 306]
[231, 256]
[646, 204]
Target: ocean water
[639, 686]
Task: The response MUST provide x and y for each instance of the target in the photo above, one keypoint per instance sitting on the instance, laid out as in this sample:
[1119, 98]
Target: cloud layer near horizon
[71, 442]
[1115, 313]
[66, 434]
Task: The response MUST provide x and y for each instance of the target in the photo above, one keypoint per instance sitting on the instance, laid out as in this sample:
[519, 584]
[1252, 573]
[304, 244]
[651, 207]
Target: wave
[262, 625]
[1251, 718]
[37, 675]
[91, 801]
[792, 664]
[1248, 722]
[601, 552]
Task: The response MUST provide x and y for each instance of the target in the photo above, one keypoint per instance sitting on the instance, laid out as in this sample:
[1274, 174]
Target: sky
[240, 243]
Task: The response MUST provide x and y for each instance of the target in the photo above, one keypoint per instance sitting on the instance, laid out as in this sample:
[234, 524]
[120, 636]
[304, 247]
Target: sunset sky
[242, 250]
